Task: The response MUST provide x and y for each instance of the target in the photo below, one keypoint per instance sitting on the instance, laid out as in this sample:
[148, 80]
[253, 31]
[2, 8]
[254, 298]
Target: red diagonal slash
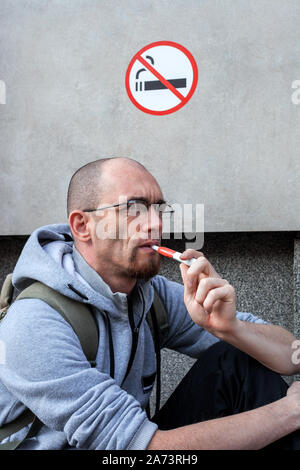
[161, 78]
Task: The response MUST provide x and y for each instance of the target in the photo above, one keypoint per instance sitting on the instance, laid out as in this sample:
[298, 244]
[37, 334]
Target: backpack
[82, 320]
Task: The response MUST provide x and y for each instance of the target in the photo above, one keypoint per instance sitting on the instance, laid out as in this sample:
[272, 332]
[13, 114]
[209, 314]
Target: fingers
[190, 282]
[206, 285]
[193, 277]
[190, 253]
[200, 269]
[224, 293]
[208, 290]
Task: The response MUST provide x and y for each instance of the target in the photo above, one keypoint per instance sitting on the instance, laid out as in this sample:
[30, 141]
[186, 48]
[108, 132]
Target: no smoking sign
[161, 78]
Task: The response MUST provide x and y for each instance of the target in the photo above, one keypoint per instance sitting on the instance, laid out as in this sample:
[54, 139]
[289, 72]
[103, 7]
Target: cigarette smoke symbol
[156, 84]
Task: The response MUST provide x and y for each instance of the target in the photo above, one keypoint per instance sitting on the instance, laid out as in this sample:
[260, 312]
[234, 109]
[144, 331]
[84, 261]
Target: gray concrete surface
[233, 147]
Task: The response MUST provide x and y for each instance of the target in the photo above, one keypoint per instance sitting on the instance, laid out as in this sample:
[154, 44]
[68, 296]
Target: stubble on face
[149, 269]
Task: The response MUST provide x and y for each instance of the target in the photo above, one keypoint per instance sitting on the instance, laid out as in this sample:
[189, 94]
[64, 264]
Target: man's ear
[79, 224]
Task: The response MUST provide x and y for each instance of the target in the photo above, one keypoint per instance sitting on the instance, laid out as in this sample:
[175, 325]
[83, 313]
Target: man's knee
[221, 352]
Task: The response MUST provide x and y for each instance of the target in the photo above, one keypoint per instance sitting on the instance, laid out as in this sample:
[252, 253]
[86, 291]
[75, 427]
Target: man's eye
[136, 207]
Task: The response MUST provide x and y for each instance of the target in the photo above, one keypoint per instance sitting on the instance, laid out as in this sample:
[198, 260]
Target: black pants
[224, 381]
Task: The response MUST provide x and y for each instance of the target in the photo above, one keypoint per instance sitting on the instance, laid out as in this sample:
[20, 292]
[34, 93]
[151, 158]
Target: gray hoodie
[46, 370]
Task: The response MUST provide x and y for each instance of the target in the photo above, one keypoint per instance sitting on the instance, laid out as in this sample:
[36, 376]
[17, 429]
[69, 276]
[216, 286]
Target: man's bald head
[85, 186]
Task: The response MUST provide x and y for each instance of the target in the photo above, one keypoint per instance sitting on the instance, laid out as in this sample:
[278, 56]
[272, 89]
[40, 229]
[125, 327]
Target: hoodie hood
[50, 257]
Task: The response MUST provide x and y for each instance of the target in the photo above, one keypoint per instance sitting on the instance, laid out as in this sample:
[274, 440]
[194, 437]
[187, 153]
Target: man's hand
[209, 299]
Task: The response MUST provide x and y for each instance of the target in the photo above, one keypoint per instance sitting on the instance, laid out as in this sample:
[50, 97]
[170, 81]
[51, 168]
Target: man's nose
[154, 222]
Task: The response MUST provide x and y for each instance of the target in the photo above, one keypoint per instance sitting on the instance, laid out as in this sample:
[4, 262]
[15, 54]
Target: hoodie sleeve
[184, 335]
[45, 368]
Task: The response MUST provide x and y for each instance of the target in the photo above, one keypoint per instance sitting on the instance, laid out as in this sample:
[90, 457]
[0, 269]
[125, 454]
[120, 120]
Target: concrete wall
[233, 147]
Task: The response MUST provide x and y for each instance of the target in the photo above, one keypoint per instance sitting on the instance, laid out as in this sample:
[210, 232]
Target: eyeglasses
[138, 206]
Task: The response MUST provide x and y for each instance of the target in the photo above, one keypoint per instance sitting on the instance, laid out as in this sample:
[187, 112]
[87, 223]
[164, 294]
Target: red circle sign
[161, 78]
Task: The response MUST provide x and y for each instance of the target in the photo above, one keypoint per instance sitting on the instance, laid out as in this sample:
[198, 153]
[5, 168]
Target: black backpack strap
[157, 319]
[162, 318]
[157, 346]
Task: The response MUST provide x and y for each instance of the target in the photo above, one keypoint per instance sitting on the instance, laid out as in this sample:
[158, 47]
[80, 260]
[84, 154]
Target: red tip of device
[166, 251]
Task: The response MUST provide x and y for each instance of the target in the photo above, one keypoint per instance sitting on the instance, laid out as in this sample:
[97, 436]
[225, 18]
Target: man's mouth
[146, 247]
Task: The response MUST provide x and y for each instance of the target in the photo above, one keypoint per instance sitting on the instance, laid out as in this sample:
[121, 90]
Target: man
[229, 400]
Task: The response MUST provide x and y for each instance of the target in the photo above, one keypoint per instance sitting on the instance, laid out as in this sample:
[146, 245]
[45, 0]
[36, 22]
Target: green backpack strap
[6, 295]
[25, 418]
[77, 314]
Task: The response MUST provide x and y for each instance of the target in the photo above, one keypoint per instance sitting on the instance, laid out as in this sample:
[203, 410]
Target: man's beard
[149, 270]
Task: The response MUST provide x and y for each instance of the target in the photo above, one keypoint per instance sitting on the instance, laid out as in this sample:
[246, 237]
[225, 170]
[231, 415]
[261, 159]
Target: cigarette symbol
[156, 84]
